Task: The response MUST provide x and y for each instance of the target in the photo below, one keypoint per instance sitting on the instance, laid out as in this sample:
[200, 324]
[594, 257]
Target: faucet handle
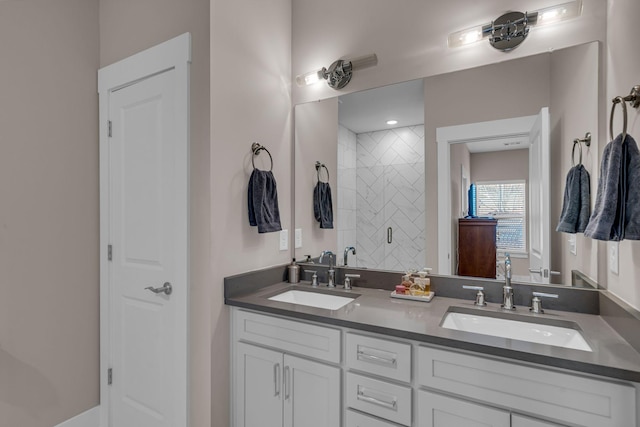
[479, 296]
[314, 278]
[347, 280]
[536, 303]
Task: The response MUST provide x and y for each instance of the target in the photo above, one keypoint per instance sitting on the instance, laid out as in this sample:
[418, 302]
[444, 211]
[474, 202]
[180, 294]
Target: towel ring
[255, 149]
[573, 152]
[634, 100]
[320, 166]
[579, 141]
[618, 100]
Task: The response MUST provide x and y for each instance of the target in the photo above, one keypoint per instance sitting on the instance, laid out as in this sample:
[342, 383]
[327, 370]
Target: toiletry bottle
[406, 281]
[423, 282]
[294, 272]
[473, 198]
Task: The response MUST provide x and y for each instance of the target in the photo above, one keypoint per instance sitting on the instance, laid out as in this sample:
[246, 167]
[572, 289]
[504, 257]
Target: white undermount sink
[479, 322]
[312, 299]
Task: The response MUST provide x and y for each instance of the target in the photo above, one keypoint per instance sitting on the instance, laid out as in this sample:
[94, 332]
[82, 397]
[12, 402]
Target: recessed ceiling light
[392, 122]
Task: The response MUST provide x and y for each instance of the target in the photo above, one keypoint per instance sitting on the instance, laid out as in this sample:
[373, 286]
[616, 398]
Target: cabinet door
[311, 394]
[522, 421]
[258, 387]
[435, 410]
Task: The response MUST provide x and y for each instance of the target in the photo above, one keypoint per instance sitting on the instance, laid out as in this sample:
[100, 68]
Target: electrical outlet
[284, 240]
[298, 238]
[613, 256]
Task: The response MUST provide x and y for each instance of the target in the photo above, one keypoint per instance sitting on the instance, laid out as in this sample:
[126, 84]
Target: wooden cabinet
[477, 247]
[276, 389]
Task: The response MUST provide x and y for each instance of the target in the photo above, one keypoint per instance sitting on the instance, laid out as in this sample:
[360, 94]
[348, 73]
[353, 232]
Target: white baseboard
[90, 418]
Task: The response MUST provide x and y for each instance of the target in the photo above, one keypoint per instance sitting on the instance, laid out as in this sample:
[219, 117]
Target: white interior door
[539, 199]
[144, 139]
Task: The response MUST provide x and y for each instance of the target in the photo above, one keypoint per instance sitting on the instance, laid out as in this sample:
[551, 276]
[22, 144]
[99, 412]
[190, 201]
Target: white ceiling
[369, 110]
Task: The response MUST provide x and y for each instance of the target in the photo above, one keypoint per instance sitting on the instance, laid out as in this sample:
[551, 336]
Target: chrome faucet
[346, 253]
[507, 302]
[331, 274]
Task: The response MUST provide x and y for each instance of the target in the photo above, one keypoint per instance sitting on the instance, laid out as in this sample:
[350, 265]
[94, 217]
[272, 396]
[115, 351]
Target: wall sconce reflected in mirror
[509, 30]
[338, 75]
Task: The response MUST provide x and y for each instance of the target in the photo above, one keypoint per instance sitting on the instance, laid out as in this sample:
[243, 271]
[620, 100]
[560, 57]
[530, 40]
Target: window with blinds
[506, 202]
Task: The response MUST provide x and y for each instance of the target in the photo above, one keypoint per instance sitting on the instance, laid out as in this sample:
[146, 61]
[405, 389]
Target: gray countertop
[373, 310]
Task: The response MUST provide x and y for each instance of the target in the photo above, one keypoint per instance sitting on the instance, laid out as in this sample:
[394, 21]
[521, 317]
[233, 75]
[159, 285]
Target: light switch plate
[613, 256]
[284, 240]
[298, 238]
[572, 244]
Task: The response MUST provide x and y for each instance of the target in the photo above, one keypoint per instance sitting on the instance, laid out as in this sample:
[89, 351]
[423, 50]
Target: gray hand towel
[576, 206]
[632, 179]
[323, 205]
[263, 201]
[616, 215]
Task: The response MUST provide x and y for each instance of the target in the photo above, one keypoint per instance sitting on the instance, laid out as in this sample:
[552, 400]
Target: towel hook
[318, 167]
[634, 100]
[255, 149]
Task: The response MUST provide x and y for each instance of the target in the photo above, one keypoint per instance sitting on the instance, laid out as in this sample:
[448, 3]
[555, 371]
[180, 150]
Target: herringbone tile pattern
[390, 193]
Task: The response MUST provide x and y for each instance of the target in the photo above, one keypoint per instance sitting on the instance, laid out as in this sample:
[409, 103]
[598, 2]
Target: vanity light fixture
[392, 122]
[510, 29]
[338, 75]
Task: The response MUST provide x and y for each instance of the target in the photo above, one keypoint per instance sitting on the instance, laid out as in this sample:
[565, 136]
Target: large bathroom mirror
[387, 197]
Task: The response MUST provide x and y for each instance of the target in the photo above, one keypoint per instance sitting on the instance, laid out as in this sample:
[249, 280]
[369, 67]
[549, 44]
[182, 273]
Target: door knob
[166, 288]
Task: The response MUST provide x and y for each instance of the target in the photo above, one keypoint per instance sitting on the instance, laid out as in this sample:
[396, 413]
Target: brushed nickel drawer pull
[370, 357]
[276, 379]
[363, 397]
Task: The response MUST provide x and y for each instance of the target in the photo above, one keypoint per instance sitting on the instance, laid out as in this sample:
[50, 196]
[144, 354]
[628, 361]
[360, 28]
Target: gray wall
[497, 86]
[574, 109]
[127, 27]
[250, 101]
[49, 307]
[622, 74]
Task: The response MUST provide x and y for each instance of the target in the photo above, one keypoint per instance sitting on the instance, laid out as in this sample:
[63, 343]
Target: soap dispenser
[294, 272]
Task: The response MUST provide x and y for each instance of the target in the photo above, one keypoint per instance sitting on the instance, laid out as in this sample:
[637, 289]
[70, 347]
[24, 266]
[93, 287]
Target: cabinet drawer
[559, 396]
[435, 410]
[356, 419]
[522, 421]
[288, 335]
[379, 398]
[379, 356]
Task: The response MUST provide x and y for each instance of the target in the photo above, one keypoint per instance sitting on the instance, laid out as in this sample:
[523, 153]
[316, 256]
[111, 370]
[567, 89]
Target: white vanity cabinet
[289, 372]
[372, 362]
[566, 398]
[436, 410]
[522, 421]
[273, 388]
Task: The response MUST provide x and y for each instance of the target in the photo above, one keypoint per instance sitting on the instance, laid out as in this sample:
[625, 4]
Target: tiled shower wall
[390, 192]
[346, 218]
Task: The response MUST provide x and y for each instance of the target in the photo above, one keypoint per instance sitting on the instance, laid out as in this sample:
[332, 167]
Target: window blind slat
[505, 201]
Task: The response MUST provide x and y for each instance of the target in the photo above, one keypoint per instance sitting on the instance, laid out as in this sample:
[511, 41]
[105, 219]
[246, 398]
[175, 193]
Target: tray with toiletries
[415, 286]
[423, 298]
